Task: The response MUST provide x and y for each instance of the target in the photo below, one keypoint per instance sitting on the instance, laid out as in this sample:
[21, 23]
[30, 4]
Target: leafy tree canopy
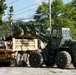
[2, 8]
[63, 15]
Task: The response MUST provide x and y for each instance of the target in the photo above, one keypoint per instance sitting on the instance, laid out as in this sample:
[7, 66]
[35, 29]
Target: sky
[24, 8]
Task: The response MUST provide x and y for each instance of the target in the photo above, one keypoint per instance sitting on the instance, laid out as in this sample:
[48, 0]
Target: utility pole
[50, 15]
[74, 2]
[10, 19]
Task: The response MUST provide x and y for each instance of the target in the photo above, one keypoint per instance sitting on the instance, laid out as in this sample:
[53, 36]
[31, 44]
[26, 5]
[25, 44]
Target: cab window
[56, 33]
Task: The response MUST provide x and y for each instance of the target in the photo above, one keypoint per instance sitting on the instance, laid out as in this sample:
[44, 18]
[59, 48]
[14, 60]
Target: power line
[29, 17]
[26, 7]
[26, 11]
[12, 2]
[26, 18]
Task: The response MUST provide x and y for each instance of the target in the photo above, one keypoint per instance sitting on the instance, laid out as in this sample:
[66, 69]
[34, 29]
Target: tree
[10, 15]
[63, 15]
[57, 7]
[2, 8]
[43, 11]
[10, 19]
[6, 29]
[57, 10]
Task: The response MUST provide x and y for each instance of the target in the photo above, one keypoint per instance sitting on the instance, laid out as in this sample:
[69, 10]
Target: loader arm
[35, 32]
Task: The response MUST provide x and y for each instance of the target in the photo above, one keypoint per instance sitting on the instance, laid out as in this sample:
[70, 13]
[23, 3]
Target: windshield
[66, 33]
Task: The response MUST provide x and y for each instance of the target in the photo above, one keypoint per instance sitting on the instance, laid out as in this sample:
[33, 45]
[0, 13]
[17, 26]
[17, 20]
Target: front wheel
[35, 59]
[74, 64]
[63, 59]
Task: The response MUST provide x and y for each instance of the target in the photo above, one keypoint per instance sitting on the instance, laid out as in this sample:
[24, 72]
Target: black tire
[6, 64]
[0, 64]
[74, 64]
[35, 59]
[24, 59]
[49, 64]
[63, 59]
[19, 60]
[13, 62]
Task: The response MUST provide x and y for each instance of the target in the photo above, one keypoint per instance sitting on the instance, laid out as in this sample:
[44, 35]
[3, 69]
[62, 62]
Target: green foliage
[2, 8]
[63, 15]
[19, 22]
[10, 15]
[57, 8]
[11, 9]
[6, 27]
[42, 8]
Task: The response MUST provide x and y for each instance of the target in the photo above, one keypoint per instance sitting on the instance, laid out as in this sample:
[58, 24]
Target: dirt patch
[36, 71]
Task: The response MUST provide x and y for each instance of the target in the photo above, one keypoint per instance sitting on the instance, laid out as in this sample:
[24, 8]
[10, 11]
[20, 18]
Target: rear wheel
[13, 62]
[0, 64]
[63, 59]
[18, 60]
[6, 64]
[24, 59]
[35, 59]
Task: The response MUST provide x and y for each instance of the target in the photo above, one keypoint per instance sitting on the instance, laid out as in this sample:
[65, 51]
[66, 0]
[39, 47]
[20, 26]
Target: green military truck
[60, 49]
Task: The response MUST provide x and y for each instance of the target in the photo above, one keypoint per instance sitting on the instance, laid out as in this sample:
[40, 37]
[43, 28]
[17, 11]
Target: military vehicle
[23, 44]
[60, 49]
